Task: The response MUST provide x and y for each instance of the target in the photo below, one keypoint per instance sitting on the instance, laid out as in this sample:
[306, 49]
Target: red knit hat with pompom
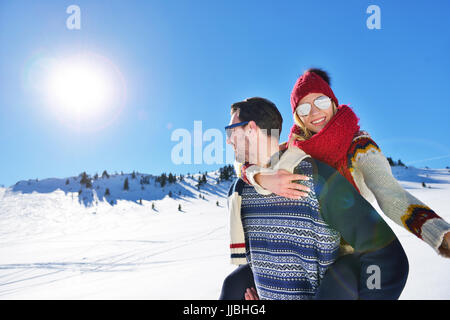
[308, 83]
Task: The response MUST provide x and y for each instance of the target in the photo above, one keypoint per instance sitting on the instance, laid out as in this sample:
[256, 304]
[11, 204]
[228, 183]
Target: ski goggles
[229, 129]
[322, 102]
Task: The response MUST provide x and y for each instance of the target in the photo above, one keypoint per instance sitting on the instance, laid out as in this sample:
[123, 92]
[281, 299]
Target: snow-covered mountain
[141, 187]
[59, 243]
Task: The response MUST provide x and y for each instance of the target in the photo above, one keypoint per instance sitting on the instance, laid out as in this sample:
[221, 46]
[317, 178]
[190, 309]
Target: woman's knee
[235, 284]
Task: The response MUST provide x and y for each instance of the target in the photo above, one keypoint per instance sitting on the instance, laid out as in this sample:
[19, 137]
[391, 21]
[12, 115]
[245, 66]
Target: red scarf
[330, 145]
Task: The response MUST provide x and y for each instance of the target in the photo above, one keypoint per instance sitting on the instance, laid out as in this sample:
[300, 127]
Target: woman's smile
[320, 121]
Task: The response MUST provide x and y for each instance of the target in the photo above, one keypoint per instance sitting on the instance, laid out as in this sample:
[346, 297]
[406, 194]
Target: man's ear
[252, 126]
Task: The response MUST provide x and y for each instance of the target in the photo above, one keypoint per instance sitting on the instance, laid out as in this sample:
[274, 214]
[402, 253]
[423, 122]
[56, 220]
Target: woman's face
[317, 118]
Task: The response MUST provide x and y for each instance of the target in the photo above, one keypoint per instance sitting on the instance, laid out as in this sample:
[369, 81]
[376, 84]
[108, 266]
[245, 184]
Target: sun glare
[79, 88]
[84, 91]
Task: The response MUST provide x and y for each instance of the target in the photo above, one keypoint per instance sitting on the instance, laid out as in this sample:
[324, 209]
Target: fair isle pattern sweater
[288, 245]
[288, 161]
[342, 209]
[372, 175]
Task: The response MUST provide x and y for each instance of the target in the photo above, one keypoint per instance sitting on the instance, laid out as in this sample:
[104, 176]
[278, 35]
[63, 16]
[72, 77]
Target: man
[290, 249]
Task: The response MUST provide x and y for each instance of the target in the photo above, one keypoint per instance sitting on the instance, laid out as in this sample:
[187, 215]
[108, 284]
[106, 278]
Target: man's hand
[444, 249]
[251, 294]
[281, 183]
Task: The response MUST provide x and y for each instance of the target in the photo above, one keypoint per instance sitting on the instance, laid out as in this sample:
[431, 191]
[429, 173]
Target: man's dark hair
[321, 73]
[264, 112]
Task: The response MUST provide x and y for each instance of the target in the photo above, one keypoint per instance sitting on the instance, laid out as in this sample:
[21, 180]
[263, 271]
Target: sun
[78, 87]
[84, 91]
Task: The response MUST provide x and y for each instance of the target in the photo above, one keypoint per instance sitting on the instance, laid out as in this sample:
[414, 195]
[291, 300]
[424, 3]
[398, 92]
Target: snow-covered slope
[57, 244]
[429, 276]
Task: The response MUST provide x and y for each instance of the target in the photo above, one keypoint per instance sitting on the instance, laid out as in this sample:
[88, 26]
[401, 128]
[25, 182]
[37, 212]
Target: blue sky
[180, 61]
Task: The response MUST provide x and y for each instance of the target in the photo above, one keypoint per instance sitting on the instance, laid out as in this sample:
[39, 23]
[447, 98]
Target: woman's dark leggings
[339, 283]
[345, 279]
[237, 282]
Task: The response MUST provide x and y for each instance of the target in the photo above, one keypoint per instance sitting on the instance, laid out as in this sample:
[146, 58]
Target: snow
[55, 244]
[429, 276]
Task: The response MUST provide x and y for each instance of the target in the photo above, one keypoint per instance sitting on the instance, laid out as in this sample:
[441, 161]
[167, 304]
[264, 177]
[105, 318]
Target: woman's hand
[281, 184]
[444, 249]
[251, 294]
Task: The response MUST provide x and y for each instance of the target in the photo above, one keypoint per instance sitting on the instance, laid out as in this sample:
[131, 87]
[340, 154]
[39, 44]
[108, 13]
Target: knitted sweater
[290, 243]
[372, 175]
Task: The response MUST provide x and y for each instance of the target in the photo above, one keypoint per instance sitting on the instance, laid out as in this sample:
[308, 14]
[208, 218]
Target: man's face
[239, 139]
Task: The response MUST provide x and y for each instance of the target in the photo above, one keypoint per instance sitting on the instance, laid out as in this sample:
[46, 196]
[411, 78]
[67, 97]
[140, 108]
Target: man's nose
[229, 141]
[230, 136]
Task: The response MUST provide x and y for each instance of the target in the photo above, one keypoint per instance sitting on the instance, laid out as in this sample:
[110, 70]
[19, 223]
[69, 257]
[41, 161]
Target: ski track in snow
[54, 246]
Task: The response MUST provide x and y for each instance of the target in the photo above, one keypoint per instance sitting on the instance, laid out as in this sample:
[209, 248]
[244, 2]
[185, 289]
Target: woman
[331, 134]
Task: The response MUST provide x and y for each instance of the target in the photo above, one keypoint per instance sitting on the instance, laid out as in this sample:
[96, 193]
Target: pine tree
[145, 180]
[162, 179]
[153, 206]
[225, 173]
[170, 194]
[133, 175]
[217, 203]
[125, 184]
[107, 193]
[105, 174]
[84, 178]
[179, 207]
[67, 181]
[391, 162]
